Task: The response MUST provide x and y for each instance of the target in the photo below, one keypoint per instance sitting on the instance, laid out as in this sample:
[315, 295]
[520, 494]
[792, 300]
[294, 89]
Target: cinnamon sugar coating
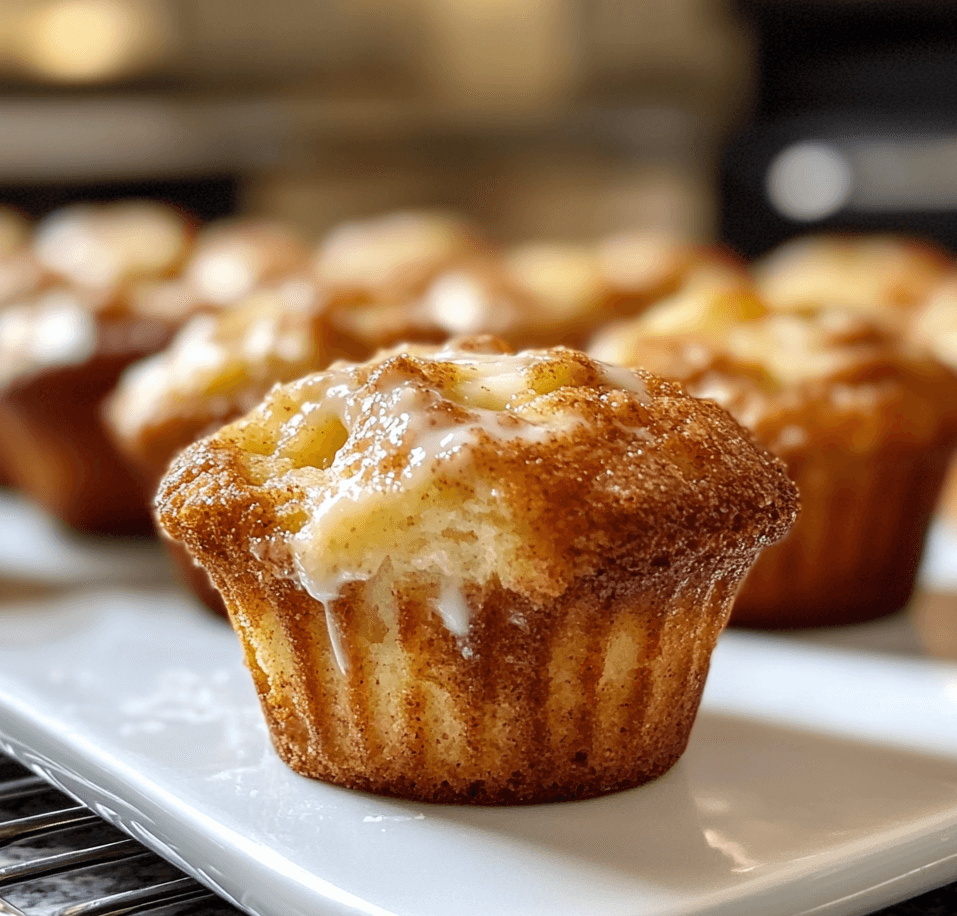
[882, 275]
[579, 287]
[61, 354]
[393, 256]
[477, 577]
[218, 366]
[865, 422]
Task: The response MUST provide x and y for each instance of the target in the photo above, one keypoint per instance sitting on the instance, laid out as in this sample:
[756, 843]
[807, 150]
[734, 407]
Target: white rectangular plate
[816, 781]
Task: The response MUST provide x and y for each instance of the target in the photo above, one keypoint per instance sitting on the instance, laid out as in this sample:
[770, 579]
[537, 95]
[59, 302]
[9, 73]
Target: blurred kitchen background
[747, 121]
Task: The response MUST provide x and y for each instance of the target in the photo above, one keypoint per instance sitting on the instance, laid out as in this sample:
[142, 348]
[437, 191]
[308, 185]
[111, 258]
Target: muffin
[219, 366]
[580, 287]
[866, 424]
[64, 342]
[61, 353]
[393, 256]
[478, 577]
[100, 246]
[229, 261]
[475, 296]
[707, 305]
[880, 275]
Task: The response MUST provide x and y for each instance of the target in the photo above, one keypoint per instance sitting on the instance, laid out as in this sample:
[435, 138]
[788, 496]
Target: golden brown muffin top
[67, 326]
[529, 470]
[101, 246]
[219, 365]
[229, 260]
[579, 287]
[475, 296]
[394, 255]
[874, 273]
[711, 299]
[821, 378]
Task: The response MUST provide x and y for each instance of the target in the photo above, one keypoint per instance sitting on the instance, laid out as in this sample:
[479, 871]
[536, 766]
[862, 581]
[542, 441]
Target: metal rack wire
[58, 858]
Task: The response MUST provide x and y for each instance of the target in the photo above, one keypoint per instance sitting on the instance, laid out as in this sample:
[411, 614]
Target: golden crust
[865, 423]
[818, 379]
[218, 366]
[61, 355]
[569, 665]
[882, 275]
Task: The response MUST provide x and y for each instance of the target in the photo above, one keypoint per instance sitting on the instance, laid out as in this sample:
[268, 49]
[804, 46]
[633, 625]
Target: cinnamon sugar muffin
[579, 288]
[474, 577]
[220, 365]
[63, 343]
[393, 256]
[61, 353]
[880, 275]
[866, 425]
[475, 296]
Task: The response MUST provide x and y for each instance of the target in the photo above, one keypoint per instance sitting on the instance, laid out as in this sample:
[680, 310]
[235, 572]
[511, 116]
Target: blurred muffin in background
[105, 246]
[127, 276]
[62, 351]
[712, 299]
[20, 270]
[866, 424]
[579, 287]
[877, 274]
[393, 256]
[228, 260]
[219, 366]
[474, 295]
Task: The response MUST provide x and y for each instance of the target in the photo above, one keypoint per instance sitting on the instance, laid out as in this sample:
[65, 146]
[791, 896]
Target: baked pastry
[866, 425]
[881, 275]
[580, 287]
[475, 296]
[474, 577]
[394, 256]
[103, 246]
[710, 301]
[61, 353]
[219, 366]
[64, 342]
[229, 260]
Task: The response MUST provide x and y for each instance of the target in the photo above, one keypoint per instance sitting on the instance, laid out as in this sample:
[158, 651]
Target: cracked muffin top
[878, 274]
[824, 378]
[529, 469]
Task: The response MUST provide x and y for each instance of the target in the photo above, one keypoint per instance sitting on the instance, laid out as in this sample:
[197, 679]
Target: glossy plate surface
[817, 781]
[36, 549]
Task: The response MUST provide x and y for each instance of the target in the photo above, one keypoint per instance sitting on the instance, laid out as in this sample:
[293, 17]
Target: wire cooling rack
[58, 858]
